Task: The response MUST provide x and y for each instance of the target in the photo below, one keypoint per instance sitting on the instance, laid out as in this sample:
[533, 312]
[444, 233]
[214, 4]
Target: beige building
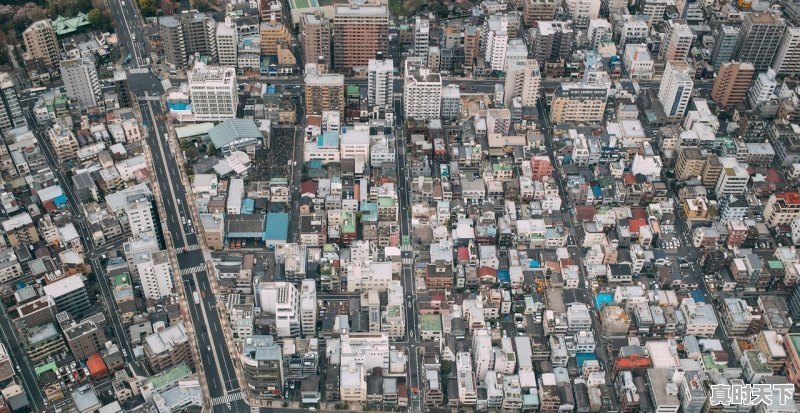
[85, 338]
[360, 32]
[781, 208]
[20, 230]
[214, 230]
[6, 366]
[539, 10]
[323, 92]
[689, 164]
[63, 142]
[732, 83]
[168, 347]
[315, 38]
[273, 33]
[579, 103]
[41, 43]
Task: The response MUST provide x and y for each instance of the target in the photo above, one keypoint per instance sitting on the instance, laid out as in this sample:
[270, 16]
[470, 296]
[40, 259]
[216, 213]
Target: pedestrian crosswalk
[192, 270]
[139, 70]
[232, 397]
[153, 98]
[192, 247]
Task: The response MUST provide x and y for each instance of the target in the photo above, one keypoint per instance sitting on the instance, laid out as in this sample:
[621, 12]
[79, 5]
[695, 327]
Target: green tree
[95, 18]
[148, 7]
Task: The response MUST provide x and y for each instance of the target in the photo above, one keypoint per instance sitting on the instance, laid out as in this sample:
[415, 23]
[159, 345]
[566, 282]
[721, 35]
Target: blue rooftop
[597, 191]
[248, 206]
[328, 140]
[580, 358]
[277, 228]
[603, 299]
[533, 264]
[503, 276]
[698, 296]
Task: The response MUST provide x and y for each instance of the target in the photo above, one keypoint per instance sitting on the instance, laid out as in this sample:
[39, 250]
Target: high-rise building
[308, 307]
[787, 58]
[85, 338]
[122, 88]
[422, 38]
[168, 347]
[763, 89]
[315, 38]
[213, 92]
[273, 33]
[140, 213]
[732, 179]
[679, 41]
[262, 362]
[782, 208]
[599, 29]
[11, 115]
[359, 33]
[227, 43]
[579, 103]
[633, 32]
[171, 33]
[155, 274]
[732, 83]
[422, 91]
[583, 11]
[494, 41]
[41, 43]
[552, 41]
[81, 82]
[380, 82]
[323, 91]
[690, 163]
[269, 8]
[451, 102]
[638, 62]
[676, 89]
[654, 9]
[523, 80]
[472, 44]
[726, 42]
[534, 11]
[70, 295]
[759, 37]
[63, 142]
[282, 300]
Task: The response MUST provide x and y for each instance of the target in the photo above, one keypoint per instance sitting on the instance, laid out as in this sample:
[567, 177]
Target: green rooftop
[386, 201]
[430, 322]
[711, 364]
[63, 25]
[45, 368]
[775, 264]
[795, 342]
[122, 279]
[173, 375]
[353, 90]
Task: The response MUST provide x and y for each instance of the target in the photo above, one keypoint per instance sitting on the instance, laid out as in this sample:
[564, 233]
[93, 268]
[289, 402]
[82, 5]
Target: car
[205, 328]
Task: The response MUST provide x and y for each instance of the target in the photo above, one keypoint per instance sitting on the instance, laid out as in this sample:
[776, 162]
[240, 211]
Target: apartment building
[732, 179]
[379, 82]
[360, 31]
[69, 294]
[732, 83]
[726, 41]
[679, 40]
[273, 33]
[523, 80]
[787, 58]
[534, 11]
[690, 163]
[155, 274]
[324, 92]
[583, 11]
[20, 230]
[41, 43]
[262, 362]
[781, 208]
[422, 38]
[11, 115]
[80, 80]
[213, 92]
[422, 91]
[168, 347]
[675, 90]
[759, 38]
[638, 62]
[494, 41]
[85, 338]
[282, 300]
[315, 38]
[227, 43]
[308, 307]
[578, 103]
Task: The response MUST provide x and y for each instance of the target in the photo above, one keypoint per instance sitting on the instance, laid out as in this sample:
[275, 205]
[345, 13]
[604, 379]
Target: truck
[196, 298]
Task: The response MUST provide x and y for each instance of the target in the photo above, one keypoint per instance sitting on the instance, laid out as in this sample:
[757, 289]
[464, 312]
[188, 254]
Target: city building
[787, 58]
[41, 43]
[185, 35]
[534, 11]
[155, 274]
[380, 85]
[315, 38]
[360, 31]
[422, 91]
[227, 43]
[726, 41]
[168, 347]
[69, 295]
[283, 301]
[85, 338]
[759, 38]
[11, 115]
[763, 89]
[274, 33]
[551, 41]
[451, 102]
[578, 103]
[422, 36]
[583, 11]
[654, 9]
[523, 80]
[262, 362]
[679, 40]
[494, 41]
[638, 62]
[308, 307]
[732, 83]
[675, 90]
[732, 180]
[214, 92]
[781, 208]
[81, 82]
[324, 92]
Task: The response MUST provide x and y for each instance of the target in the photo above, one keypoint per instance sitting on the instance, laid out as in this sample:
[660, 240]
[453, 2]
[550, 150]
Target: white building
[380, 82]
[676, 89]
[494, 41]
[227, 43]
[354, 144]
[633, 31]
[638, 62]
[81, 82]
[139, 212]
[523, 80]
[732, 180]
[583, 11]
[700, 318]
[363, 276]
[598, 30]
[654, 9]
[155, 274]
[422, 91]
[467, 388]
[763, 88]
[393, 319]
[213, 92]
[679, 41]
[422, 36]
[235, 196]
[283, 300]
[787, 58]
[308, 307]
